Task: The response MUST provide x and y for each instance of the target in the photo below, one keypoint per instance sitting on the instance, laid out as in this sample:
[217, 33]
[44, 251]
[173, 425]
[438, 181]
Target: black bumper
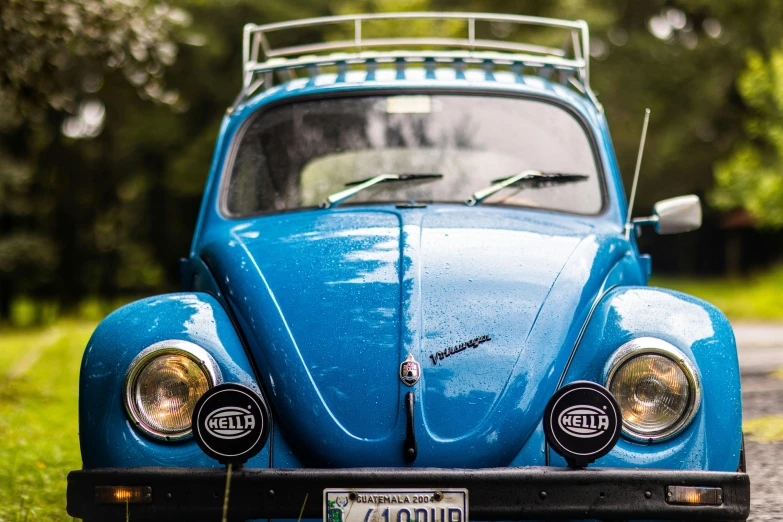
[493, 494]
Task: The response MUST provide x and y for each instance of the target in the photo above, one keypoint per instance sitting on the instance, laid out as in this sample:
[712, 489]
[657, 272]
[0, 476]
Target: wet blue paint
[328, 303]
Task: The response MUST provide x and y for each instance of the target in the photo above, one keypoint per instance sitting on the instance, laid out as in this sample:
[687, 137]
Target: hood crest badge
[410, 371]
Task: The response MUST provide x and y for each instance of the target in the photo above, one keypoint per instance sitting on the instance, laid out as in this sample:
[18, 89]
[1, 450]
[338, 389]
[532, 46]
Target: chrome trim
[260, 58]
[174, 346]
[653, 345]
[459, 43]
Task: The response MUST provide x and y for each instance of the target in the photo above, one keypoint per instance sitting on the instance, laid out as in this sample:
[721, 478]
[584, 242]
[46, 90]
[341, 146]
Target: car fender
[108, 436]
[712, 440]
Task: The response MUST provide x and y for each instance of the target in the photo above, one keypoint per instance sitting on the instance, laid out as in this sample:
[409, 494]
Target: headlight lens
[656, 387]
[163, 385]
[167, 391]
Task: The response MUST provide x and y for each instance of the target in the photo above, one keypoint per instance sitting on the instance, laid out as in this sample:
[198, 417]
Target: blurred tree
[752, 178]
[56, 55]
[102, 164]
[45, 45]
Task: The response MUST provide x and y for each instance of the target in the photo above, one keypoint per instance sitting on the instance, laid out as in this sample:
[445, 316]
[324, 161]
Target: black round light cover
[582, 422]
[231, 423]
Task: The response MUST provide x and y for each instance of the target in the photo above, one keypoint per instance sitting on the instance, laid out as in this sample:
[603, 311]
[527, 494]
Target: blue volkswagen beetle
[414, 294]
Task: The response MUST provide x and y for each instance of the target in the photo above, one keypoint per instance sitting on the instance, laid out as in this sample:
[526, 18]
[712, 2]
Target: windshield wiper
[358, 186]
[536, 177]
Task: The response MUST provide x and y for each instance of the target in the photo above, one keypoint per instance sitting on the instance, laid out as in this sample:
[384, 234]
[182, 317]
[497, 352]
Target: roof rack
[572, 60]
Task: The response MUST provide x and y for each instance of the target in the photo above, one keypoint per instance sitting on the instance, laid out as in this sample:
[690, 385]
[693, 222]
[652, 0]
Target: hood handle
[410, 449]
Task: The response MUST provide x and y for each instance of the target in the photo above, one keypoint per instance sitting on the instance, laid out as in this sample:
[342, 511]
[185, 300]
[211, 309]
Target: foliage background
[109, 110]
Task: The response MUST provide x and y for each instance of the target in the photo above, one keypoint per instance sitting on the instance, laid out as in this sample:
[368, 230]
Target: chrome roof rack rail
[262, 62]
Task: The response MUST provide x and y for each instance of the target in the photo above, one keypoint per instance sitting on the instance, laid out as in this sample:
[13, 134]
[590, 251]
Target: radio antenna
[636, 173]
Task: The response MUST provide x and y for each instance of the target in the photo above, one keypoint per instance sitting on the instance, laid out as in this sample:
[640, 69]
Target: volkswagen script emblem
[410, 371]
[451, 350]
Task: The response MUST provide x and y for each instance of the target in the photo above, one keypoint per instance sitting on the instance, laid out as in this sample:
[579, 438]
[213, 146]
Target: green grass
[753, 298]
[39, 440]
[764, 429]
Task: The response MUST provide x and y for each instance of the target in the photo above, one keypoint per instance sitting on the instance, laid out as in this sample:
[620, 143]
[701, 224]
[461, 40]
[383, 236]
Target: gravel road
[766, 499]
[760, 348]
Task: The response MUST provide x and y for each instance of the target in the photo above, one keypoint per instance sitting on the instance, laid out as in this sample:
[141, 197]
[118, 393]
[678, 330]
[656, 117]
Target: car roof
[413, 78]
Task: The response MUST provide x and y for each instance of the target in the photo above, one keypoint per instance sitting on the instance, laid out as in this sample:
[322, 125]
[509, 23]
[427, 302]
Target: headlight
[655, 385]
[163, 384]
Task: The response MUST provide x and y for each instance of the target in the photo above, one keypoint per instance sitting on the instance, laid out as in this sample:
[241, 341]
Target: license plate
[396, 505]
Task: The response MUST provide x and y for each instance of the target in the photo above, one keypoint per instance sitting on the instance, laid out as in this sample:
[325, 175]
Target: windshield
[296, 155]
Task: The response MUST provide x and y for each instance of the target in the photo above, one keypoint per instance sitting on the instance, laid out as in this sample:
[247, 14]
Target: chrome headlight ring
[205, 362]
[655, 346]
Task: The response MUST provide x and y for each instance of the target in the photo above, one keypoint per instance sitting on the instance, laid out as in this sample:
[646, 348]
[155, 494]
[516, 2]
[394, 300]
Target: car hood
[331, 302]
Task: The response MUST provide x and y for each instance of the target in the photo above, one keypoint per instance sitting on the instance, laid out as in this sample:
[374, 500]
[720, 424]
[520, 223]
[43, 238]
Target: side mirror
[675, 215]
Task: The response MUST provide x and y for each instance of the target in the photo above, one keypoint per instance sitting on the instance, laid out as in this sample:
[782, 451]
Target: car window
[295, 155]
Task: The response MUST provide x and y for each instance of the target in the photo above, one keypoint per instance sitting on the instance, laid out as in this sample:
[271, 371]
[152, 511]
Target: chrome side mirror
[675, 215]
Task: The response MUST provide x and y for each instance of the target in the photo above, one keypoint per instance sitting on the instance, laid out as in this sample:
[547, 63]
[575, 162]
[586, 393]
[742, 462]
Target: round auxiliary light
[656, 386]
[163, 384]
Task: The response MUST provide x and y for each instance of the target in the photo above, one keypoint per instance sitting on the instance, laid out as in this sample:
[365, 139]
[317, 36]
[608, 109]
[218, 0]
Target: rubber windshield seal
[236, 139]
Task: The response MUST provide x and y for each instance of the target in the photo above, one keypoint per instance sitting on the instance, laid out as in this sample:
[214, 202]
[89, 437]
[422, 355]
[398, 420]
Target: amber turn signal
[123, 494]
[694, 496]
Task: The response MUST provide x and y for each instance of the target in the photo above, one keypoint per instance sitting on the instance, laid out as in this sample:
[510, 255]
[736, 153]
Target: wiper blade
[535, 177]
[359, 185]
[401, 177]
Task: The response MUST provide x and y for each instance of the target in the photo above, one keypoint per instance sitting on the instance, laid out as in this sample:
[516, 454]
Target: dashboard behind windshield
[295, 155]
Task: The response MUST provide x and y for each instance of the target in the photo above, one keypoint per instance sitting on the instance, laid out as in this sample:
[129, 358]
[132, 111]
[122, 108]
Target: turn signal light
[694, 496]
[123, 494]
